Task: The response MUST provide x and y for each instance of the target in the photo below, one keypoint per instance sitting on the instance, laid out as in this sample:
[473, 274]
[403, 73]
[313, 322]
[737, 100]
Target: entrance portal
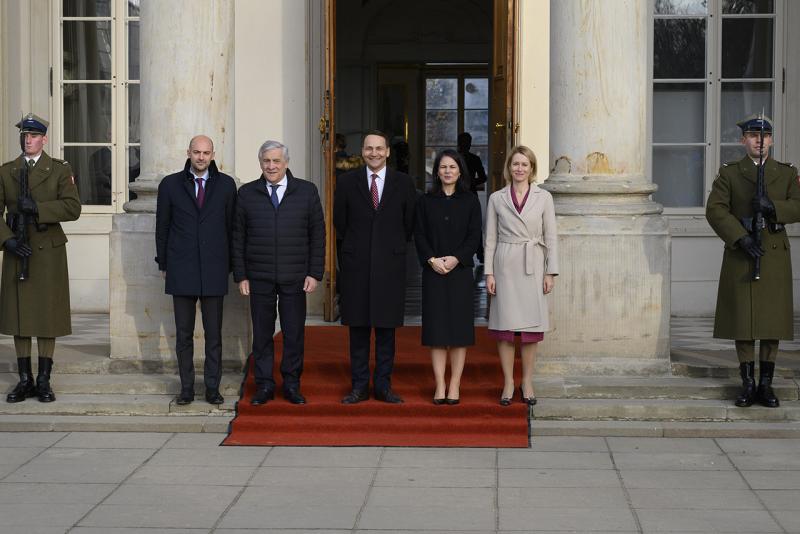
[422, 71]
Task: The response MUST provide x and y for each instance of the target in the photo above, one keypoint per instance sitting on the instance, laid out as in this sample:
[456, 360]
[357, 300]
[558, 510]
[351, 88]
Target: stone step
[127, 384]
[660, 410]
[666, 429]
[117, 404]
[589, 387]
[116, 423]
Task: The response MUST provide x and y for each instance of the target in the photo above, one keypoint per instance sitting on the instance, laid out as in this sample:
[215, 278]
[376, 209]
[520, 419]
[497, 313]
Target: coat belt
[530, 245]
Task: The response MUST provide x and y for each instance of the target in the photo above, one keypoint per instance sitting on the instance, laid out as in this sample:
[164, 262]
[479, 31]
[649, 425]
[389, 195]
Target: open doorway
[423, 71]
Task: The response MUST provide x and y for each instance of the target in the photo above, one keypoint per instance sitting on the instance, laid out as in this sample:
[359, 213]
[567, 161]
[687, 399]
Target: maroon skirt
[508, 335]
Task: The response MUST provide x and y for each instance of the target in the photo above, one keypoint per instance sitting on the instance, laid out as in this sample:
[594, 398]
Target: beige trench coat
[520, 248]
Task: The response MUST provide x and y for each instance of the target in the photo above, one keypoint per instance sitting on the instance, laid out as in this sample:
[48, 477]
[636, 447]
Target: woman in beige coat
[521, 266]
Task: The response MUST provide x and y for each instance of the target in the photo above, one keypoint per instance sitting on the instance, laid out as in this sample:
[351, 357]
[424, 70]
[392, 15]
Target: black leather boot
[766, 397]
[43, 380]
[25, 388]
[748, 394]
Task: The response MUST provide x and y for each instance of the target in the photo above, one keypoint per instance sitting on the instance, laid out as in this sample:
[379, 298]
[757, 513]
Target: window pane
[738, 100]
[747, 48]
[133, 50]
[134, 167]
[476, 93]
[92, 167]
[679, 112]
[441, 93]
[87, 50]
[87, 113]
[746, 7]
[87, 8]
[730, 153]
[133, 8]
[679, 48]
[680, 7]
[483, 153]
[441, 127]
[133, 113]
[476, 122]
[678, 171]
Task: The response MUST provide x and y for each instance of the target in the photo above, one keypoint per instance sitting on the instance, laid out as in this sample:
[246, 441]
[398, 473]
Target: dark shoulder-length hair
[462, 185]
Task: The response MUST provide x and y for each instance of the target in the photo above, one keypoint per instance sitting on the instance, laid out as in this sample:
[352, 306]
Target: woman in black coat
[447, 232]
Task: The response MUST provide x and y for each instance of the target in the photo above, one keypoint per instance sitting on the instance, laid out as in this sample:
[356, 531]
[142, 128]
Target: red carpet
[478, 421]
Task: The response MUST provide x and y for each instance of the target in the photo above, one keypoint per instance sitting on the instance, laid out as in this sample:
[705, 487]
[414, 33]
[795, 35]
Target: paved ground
[185, 483]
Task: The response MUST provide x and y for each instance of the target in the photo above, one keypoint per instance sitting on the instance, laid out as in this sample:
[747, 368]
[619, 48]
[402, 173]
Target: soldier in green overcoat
[39, 304]
[748, 309]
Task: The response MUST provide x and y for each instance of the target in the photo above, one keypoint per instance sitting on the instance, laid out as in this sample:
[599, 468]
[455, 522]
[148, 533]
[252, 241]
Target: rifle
[22, 219]
[758, 216]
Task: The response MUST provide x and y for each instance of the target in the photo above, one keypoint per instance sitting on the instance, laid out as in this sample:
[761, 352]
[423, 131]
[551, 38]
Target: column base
[141, 315]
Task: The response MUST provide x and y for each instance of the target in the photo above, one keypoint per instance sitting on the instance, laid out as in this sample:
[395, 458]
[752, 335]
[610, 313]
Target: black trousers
[291, 303]
[211, 310]
[359, 357]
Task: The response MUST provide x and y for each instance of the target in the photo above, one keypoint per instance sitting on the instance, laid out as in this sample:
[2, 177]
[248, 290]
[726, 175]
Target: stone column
[186, 89]
[611, 304]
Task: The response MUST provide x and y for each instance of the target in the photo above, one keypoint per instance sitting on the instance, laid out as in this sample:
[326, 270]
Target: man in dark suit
[373, 213]
[278, 257]
[194, 222]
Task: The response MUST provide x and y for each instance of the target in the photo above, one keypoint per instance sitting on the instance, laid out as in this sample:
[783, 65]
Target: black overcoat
[193, 244]
[372, 257]
[448, 226]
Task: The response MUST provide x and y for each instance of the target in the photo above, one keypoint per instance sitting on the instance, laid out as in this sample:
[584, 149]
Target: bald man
[194, 221]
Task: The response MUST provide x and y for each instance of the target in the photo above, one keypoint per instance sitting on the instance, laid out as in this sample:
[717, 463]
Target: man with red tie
[373, 213]
[194, 220]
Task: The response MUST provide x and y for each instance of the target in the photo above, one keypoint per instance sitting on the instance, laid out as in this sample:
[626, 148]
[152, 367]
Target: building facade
[615, 96]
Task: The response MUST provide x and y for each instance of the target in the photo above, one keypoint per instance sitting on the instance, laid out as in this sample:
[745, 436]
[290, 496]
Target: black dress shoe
[261, 396]
[387, 395]
[355, 397]
[439, 402]
[505, 401]
[213, 396]
[186, 396]
[293, 395]
[530, 401]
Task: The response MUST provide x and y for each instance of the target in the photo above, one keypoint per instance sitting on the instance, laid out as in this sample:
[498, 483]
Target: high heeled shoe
[439, 402]
[530, 401]
[506, 401]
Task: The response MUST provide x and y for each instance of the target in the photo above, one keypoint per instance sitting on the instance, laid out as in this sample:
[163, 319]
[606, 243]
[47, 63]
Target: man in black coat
[278, 257]
[373, 213]
[194, 222]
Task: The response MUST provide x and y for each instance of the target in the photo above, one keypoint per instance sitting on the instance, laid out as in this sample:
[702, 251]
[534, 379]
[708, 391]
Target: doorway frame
[510, 31]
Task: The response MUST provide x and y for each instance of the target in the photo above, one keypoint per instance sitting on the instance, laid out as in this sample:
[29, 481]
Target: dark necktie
[274, 195]
[373, 189]
[201, 192]
[31, 163]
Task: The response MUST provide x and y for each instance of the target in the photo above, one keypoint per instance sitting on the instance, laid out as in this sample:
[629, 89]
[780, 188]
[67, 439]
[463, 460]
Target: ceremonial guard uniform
[36, 304]
[750, 309]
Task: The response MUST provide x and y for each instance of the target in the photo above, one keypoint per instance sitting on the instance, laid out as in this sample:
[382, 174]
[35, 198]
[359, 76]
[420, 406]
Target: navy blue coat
[372, 257]
[280, 246]
[193, 244]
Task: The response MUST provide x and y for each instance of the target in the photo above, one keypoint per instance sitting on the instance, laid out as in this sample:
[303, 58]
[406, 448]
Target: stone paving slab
[672, 461]
[436, 477]
[113, 440]
[707, 521]
[415, 457]
[663, 445]
[780, 499]
[558, 478]
[47, 493]
[612, 497]
[695, 499]
[427, 518]
[516, 458]
[682, 479]
[568, 519]
[210, 475]
[324, 457]
[257, 515]
[355, 477]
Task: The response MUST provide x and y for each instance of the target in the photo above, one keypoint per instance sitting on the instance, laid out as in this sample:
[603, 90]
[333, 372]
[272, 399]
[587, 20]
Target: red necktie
[373, 189]
[201, 192]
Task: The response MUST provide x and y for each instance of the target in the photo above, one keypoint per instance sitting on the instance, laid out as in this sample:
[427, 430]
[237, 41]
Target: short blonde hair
[528, 153]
